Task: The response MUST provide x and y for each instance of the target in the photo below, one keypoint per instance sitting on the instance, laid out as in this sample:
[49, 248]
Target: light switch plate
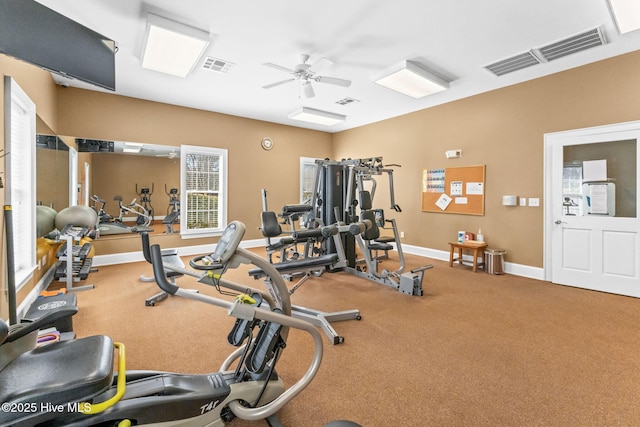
[523, 201]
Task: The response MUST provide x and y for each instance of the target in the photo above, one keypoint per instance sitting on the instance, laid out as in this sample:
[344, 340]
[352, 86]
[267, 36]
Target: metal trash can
[494, 261]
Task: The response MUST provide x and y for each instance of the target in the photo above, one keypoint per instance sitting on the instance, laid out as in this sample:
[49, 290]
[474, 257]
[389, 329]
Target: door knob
[557, 221]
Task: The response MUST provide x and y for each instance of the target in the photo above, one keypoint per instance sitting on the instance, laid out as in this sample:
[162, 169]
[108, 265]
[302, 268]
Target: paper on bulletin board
[456, 188]
[461, 200]
[443, 201]
[475, 188]
[433, 180]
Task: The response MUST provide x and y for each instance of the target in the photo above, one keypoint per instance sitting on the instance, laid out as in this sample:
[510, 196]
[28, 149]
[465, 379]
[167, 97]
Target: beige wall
[96, 115]
[504, 130]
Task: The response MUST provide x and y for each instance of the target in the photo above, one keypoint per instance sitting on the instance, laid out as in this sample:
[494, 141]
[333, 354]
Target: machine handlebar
[159, 273]
[204, 262]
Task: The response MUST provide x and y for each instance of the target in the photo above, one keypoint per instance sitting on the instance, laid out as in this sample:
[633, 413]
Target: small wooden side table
[470, 245]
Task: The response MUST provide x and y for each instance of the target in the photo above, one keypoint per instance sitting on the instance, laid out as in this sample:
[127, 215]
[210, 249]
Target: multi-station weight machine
[336, 224]
[343, 194]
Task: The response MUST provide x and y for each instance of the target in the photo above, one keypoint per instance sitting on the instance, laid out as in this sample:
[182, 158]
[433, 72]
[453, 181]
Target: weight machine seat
[66, 371]
[379, 246]
[297, 265]
[270, 226]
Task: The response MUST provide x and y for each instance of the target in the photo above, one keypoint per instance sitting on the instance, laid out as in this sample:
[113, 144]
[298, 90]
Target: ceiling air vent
[568, 46]
[347, 101]
[217, 65]
[512, 64]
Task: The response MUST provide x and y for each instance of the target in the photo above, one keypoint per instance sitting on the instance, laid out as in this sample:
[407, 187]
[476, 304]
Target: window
[204, 191]
[20, 137]
[307, 178]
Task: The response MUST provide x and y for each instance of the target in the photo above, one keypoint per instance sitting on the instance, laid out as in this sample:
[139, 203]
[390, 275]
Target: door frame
[550, 139]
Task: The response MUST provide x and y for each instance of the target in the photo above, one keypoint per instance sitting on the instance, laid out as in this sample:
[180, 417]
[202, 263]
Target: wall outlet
[523, 201]
[402, 234]
[534, 201]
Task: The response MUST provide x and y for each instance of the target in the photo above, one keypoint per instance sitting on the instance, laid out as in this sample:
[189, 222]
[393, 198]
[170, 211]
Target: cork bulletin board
[454, 190]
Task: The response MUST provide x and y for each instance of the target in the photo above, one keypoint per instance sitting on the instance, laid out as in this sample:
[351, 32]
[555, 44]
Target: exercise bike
[73, 383]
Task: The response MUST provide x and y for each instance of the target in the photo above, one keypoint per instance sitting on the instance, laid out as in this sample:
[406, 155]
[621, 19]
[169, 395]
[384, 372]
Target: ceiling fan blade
[307, 89]
[319, 65]
[278, 67]
[333, 81]
[269, 86]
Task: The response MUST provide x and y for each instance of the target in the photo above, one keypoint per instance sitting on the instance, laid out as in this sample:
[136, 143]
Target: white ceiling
[455, 39]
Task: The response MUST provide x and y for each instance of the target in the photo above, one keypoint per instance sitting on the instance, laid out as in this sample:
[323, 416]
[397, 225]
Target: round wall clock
[267, 143]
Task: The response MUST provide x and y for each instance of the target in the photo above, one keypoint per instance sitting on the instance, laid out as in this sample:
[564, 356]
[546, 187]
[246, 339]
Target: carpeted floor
[475, 350]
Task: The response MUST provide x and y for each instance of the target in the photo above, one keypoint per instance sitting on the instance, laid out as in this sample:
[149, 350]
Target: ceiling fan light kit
[306, 74]
[171, 47]
[320, 117]
[411, 79]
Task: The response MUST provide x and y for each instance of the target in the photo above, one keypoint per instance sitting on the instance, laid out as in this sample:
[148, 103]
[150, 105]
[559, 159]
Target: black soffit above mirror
[94, 146]
[51, 142]
[121, 147]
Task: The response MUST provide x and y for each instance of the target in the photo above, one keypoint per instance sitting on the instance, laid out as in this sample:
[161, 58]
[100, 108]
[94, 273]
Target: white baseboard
[509, 267]
[122, 258]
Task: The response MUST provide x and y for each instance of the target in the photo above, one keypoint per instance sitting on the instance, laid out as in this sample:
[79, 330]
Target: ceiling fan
[306, 74]
[170, 155]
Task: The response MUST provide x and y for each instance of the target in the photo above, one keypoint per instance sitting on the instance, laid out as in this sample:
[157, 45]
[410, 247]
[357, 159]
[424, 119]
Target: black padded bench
[298, 265]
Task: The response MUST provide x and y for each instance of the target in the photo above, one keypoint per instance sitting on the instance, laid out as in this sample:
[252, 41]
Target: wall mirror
[145, 176]
[52, 168]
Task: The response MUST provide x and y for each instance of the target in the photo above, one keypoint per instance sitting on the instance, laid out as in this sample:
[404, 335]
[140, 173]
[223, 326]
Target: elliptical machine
[173, 210]
[145, 200]
[84, 390]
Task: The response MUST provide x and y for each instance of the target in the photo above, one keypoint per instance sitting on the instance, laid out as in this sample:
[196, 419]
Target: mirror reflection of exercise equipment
[145, 202]
[173, 210]
[107, 225]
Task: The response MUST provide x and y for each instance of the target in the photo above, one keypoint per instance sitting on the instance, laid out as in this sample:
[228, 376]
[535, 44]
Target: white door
[592, 231]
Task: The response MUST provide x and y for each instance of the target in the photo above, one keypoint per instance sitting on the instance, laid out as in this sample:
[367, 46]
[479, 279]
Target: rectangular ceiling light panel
[409, 78]
[171, 47]
[320, 117]
[626, 14]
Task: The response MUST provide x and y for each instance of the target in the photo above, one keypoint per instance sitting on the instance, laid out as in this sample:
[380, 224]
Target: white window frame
[305, 163]
[73, 177]
[185, 231]
[20, 147]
